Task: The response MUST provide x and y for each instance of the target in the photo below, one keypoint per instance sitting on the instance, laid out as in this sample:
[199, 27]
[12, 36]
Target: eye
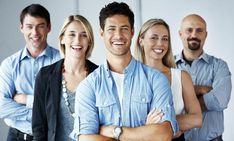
[154, 38]
[199, 30]
[189, 30]
[28, 26]
[42, 26]
[71, 35]
[84, 35]
[165, 39]
[111, 29]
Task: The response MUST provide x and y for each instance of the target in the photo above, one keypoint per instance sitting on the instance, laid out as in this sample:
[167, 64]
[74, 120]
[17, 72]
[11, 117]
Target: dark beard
[194, 45]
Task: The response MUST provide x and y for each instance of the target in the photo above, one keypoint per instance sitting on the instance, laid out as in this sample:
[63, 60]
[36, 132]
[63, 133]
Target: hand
[178, 134]
[20, 98]
[154, 116]
[107, 131]
[200, 90]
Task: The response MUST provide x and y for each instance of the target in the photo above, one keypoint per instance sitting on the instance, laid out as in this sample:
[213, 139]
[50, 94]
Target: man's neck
[191, 55]
[35, 52]
[118, 63]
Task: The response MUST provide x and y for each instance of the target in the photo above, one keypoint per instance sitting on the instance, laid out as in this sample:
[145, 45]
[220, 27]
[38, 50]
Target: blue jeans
[16, 135]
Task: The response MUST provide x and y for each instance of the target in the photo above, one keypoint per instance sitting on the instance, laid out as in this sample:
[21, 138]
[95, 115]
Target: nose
[118, 33]
[194, 34]
[76, 40]
[159, 42]
[35, 30]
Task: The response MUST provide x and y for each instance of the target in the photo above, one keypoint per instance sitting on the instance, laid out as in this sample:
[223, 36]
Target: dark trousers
[180, 138]
[219, 138]
[16, 135]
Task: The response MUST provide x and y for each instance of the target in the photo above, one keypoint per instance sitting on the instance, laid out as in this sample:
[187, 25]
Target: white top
[176, 88]
[118, 78]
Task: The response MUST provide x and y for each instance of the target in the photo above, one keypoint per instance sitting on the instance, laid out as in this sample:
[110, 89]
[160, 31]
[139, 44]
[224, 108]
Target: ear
[206, 33]
[133, 32]
[101, 32]
[140, 40]
[49, 27]
[62, 41]
[21, 28]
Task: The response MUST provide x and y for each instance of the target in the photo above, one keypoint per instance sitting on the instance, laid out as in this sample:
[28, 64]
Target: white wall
[218, 14]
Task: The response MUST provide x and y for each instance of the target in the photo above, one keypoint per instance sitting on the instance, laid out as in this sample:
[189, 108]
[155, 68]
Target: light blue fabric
[17, 75]
[97, 101]
[209, 71]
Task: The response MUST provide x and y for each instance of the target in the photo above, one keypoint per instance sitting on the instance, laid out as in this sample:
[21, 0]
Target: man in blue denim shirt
[18, 72]
[211, 78]
[114, 101]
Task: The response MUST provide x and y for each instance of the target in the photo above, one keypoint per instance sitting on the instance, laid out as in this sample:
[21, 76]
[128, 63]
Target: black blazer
[47, 93]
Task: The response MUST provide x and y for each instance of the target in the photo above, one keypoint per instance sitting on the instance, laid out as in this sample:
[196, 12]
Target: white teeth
[76, 47]
[118, 43]
[158, 50]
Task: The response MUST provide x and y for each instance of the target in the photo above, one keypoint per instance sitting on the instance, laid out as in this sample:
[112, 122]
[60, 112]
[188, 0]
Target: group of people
[46, 94]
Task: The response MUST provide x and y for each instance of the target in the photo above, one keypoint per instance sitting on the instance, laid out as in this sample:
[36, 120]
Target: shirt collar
[203, 56]
[129, 69]
[46, 52]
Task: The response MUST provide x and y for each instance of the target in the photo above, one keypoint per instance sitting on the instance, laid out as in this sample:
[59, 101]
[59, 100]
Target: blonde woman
[153, 48]
[53, 112]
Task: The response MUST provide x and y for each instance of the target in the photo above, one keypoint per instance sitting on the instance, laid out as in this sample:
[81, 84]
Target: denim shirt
[97, 101]
[209, 71]
[17, 75]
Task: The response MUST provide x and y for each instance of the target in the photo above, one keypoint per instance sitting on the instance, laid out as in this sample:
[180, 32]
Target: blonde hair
[88, 30]
[139, 53]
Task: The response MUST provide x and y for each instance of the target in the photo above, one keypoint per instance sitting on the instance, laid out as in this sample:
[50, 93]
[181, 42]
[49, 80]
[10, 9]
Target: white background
[218, 15]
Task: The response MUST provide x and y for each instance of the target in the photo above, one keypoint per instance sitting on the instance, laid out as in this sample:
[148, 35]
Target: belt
[21, 135]
[219, 138]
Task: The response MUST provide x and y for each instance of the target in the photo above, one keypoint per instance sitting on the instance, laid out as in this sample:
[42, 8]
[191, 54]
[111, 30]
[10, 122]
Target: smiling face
[75, 40]
[35, 30]
[155, 42]
[117, 35]
[193, 33]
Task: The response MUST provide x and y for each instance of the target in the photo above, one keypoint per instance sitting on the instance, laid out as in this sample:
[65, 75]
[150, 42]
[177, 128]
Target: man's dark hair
[35, 10]
[115, 8]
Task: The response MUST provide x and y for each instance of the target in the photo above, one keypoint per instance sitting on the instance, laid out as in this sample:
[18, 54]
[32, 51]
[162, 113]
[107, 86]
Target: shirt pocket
[108, 111]
[141, 106]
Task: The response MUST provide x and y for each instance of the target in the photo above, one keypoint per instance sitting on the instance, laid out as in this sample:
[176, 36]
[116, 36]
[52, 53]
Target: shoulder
[91, 66]
[54, 53]
[46, 71]
[215, 60]
[13, 59]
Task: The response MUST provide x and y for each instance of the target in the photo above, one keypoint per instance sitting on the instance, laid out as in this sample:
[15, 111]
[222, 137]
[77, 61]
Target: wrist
[117, 131]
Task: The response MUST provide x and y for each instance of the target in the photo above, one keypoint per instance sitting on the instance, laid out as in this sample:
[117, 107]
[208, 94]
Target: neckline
[65, 96]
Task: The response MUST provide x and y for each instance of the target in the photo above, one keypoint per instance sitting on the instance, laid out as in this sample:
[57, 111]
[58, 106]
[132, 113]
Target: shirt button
[143, 99]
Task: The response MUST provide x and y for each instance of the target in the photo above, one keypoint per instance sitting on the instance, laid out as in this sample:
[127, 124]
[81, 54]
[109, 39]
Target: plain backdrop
[218, 15]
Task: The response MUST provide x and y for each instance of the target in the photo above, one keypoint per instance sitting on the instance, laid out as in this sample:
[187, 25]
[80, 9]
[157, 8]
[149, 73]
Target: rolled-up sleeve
[86, 121]
[163, 100]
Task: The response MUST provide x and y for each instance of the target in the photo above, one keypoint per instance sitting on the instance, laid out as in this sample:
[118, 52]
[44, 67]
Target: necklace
[65, 96]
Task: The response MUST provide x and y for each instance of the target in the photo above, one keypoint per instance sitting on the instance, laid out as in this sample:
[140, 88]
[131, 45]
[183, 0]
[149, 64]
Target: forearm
[94, 137]
[189, 121]
[201, 90]
[153, 132]
[202, 103]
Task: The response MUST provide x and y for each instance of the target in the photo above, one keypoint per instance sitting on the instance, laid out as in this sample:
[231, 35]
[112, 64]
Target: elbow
[198, 121]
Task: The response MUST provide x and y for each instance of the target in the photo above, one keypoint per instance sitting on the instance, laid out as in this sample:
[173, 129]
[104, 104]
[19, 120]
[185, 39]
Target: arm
[200, 91]
[39, 118]
[218, 97]
[86, 126]
[95, 138]
[8, 107]
[151, 132]
[24, 99]
[193, 116]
